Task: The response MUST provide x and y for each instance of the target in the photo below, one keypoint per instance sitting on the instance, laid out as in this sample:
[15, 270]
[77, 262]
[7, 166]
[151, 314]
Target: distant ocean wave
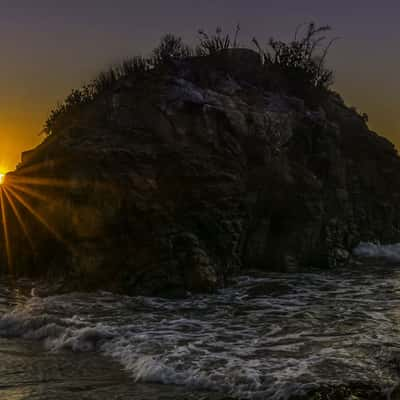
[388, 252]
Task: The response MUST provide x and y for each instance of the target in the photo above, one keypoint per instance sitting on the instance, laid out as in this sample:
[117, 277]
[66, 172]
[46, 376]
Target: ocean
[266, 336]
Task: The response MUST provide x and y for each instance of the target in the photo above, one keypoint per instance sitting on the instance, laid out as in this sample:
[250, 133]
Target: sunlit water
[267, 336]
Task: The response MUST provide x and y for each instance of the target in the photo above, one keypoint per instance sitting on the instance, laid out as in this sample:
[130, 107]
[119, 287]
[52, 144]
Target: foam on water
[266, 336]
[389, 252]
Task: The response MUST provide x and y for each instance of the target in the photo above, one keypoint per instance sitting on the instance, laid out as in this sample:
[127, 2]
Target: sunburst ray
[31, 192]
[5, 229]
[52, 182]
[38, 166]
[19, 218]
[40, 218]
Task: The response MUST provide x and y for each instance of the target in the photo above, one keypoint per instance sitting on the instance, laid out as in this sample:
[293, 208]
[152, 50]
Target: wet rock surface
[173, 183]
[357, 391]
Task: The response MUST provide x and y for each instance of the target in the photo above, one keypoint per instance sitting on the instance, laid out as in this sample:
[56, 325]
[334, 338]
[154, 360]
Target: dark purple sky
[49, 46]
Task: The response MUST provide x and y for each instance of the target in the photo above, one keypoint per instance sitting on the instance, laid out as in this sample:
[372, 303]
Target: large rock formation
[206, 167]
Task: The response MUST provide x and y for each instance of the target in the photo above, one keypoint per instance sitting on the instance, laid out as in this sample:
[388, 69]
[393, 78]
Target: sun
[2, 178]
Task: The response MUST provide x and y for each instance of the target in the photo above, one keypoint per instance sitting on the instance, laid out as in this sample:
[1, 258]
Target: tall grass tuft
[171, 47]
[211, 44]
[302, 61]
[304, 58]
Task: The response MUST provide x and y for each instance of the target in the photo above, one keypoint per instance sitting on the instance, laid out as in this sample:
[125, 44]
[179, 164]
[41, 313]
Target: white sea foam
[389, 252]
[246, 341]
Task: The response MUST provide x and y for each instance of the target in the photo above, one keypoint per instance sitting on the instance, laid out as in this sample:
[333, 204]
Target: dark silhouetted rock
[206, 167]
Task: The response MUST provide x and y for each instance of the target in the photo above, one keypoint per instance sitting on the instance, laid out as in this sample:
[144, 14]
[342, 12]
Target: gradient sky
[49, 47]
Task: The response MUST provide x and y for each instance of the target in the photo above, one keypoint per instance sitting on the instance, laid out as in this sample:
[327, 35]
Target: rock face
[206, 167]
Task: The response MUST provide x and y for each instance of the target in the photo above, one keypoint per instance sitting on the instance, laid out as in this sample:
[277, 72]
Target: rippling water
[267, 336]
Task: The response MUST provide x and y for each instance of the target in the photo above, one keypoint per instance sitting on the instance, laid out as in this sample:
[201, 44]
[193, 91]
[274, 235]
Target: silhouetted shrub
[362, 115]
[65, 112]
[171, 47]
[303, 59]
[211, 44]
[105, 80]
[135, 66]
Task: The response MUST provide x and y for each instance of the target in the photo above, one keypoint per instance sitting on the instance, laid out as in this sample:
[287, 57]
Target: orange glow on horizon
[15, 196]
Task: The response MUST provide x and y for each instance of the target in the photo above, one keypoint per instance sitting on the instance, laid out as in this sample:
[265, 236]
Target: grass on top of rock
[304, 58]
[301, 62]
[75, 102]
[213, 43]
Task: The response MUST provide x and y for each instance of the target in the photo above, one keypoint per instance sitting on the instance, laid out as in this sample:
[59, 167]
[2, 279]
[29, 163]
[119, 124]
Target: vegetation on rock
[180, 170]
[66, 112]
[302, 62]
[211, 44]
[170, 48]
[303, 59]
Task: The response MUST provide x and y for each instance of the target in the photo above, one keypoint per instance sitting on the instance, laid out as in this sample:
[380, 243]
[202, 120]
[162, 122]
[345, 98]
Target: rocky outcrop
[206, 167]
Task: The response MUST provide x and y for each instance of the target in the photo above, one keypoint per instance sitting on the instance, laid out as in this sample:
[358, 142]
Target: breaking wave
[388, 252]
[265, 337]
